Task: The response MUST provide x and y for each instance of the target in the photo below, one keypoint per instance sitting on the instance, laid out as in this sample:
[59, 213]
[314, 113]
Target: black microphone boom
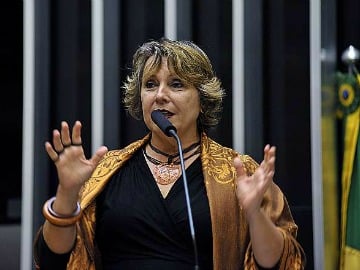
[165, 125]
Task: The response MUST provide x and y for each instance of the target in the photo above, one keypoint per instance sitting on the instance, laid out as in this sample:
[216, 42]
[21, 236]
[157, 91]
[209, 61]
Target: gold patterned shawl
[231, 243]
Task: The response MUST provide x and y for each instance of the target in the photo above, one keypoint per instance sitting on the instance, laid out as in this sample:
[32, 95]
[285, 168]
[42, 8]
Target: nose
[162, 93]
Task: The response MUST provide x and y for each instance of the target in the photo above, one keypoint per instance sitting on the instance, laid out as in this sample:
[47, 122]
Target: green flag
[349, 112]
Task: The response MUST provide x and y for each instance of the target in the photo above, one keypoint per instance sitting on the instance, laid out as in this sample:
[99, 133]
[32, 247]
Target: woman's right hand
[73, 168]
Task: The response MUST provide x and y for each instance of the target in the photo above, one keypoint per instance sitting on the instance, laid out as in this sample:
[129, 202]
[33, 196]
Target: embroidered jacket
[231, 241]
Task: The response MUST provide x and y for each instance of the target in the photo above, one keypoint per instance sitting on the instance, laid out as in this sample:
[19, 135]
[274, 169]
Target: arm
[266, 240]
[73, 170]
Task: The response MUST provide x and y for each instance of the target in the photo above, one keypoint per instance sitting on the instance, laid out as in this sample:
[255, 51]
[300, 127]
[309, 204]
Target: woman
[125, 209]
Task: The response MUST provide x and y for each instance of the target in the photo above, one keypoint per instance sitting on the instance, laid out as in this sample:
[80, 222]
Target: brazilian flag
[330, 175]
[348, 90]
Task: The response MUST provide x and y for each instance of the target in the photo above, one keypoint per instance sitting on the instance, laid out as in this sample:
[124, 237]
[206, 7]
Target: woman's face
[163, 90]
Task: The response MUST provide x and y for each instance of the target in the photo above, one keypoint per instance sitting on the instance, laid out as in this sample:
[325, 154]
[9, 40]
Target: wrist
[61, 219]
[64, 206]
[70, 194]
[253, 215]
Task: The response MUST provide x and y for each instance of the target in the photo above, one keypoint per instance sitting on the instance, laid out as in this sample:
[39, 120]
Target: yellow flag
[349, 112]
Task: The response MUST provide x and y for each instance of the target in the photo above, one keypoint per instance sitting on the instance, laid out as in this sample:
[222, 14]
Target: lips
[166, 113]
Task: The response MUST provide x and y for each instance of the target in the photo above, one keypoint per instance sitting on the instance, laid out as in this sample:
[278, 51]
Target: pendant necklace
[164, 173]
[168, 172]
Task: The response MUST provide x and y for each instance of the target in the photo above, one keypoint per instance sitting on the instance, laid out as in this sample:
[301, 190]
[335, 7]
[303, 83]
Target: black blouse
[136, 228]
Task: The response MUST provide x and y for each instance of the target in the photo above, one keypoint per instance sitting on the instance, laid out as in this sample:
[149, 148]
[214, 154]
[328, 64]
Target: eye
[177, 83]
[150, 84]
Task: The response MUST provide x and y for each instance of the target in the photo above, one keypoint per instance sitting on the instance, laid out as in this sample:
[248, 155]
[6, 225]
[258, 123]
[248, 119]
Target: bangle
[59, 219]
[52, 212]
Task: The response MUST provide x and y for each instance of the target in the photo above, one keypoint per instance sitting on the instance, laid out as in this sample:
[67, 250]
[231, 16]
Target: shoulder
[107, 166]
[218, 161]
[212, 150]
[114, 158]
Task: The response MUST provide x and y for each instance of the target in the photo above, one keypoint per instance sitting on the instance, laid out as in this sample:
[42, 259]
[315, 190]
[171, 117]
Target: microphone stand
[191, 223]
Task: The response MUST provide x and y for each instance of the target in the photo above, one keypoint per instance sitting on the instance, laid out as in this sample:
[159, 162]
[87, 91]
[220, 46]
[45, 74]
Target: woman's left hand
[250, 190]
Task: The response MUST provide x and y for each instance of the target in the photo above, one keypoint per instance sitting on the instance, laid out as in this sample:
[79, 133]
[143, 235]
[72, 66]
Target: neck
[169, 145]
[166, 149]
[172, 157]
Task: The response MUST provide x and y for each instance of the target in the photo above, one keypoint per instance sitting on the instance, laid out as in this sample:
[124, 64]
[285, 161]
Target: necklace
[176, 155]
[164, 172]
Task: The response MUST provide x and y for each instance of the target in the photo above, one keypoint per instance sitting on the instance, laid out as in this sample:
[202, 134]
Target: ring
[76, 144]
[59, 152]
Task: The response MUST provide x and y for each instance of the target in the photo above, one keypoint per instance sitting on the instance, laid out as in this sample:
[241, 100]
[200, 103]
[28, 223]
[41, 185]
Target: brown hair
[190, 63]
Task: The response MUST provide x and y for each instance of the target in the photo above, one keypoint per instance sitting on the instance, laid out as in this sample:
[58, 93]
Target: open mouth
[166, 113]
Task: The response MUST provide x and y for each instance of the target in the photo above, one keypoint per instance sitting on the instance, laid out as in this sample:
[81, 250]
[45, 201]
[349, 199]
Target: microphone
[169, 130]
[163, 123]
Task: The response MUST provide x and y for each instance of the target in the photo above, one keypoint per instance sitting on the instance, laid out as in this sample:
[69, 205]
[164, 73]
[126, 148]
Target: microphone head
[163, 123]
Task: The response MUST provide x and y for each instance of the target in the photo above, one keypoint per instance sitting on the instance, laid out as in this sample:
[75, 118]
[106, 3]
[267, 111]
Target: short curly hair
[190, 63]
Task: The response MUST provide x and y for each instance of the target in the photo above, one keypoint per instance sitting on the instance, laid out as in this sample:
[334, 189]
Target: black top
[138, 229]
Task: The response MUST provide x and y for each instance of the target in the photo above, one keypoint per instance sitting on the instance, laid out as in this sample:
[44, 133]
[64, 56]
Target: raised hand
[250, 189]
[68, 155]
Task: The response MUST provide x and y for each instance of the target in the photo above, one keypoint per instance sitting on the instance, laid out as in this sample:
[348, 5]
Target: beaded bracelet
[59, 219]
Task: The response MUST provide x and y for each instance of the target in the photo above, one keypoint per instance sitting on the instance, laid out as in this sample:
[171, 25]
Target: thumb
[99, 154]
[239, 167]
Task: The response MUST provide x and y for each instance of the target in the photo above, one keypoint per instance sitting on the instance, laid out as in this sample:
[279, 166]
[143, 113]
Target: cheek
[193, 103]
[144, 101]
[146, 106]
[147, 118]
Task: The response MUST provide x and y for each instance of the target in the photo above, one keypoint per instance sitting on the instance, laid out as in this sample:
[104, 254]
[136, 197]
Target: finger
[262, 178]
[99, 154]
[58, 146]
[272, 151]
[271, 164]
[51, 152]
[65, 134]
[270, 174]
[76, 134]
[239, 167]
[269, 153]
[266, 152]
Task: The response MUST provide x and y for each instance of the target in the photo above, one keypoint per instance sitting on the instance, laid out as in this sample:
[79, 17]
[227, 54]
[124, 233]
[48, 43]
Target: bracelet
[52, 212]
[59, 219]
